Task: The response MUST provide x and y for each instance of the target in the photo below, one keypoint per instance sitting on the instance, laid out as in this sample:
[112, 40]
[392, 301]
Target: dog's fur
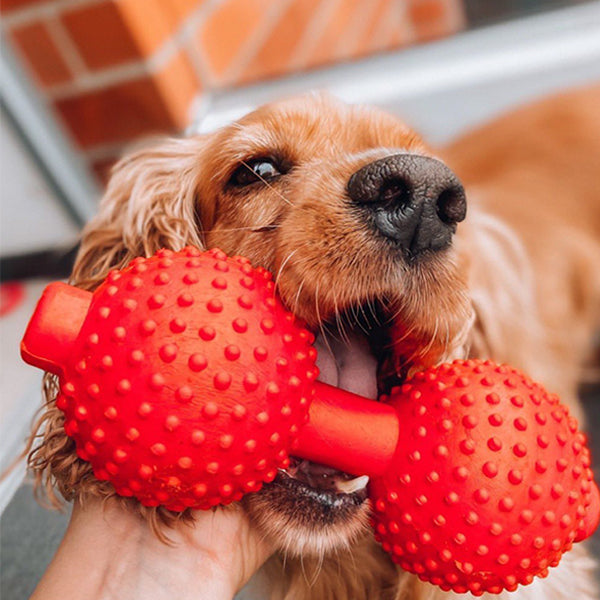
[521, 283]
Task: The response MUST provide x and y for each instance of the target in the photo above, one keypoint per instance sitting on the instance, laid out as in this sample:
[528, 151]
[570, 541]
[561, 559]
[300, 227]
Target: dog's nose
[414, 200]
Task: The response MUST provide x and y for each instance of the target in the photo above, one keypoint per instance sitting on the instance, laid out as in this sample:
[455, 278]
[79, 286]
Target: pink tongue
[347, 363]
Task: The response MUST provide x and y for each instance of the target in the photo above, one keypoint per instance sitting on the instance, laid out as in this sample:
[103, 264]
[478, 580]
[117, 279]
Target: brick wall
[116, 70]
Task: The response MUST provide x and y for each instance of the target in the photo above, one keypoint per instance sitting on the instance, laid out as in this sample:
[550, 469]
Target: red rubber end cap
[492, 480]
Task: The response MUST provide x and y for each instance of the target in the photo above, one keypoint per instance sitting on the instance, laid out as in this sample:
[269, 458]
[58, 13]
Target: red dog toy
[185, 382]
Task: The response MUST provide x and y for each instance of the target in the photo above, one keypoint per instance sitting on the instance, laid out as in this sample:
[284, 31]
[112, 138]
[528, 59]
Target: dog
[367, 232]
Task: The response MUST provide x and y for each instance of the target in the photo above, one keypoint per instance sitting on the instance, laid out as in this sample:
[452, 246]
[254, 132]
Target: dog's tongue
[346, 362]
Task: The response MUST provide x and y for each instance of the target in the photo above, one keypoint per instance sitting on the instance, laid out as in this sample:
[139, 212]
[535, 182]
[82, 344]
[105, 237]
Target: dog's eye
[260, 169]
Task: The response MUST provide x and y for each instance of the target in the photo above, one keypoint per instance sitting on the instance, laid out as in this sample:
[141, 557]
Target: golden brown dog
[363, 226]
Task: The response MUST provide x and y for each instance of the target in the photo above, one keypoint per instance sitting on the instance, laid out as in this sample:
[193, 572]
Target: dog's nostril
[451, 206]
[395, 191]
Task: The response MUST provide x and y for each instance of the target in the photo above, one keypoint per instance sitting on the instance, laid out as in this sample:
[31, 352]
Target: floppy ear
[508, 325]
[151, 202]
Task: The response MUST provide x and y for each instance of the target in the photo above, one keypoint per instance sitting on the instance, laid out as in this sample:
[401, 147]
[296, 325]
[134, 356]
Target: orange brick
[178, 85]
[182, 8]
[335, 33]
[225, 32]
[102, 35]
[367, 42]
[38, 49]
[124, 111]
[431, 19]
[151, 22]
[8, 5]
[275, 53]
[117, 113]
[114, 32]
[402, 32]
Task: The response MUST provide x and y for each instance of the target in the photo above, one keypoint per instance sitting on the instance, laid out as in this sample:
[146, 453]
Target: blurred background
[83, 80]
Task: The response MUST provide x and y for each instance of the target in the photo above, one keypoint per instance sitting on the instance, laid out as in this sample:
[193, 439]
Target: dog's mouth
[327, 486]
[355, 354]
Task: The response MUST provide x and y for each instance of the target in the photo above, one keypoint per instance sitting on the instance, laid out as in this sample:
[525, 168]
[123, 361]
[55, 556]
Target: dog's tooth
[289, 472]
[352, 485]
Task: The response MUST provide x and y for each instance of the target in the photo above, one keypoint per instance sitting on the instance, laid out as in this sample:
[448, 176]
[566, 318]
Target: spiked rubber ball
[187, 382]
[491, 484]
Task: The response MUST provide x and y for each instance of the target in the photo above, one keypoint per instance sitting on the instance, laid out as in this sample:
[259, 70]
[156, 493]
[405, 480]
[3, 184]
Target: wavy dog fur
[521, 284]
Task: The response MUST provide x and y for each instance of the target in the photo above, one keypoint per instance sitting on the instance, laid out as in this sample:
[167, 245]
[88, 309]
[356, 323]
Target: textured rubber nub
[54, 326]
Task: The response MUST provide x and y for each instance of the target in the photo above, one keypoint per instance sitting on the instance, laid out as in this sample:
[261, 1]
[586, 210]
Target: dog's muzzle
[413, 200]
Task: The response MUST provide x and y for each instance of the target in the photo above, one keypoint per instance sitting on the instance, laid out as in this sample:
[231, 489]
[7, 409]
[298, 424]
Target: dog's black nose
[414, 200]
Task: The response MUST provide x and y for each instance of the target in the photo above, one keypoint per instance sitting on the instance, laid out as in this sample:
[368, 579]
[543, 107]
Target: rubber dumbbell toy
[186, 383]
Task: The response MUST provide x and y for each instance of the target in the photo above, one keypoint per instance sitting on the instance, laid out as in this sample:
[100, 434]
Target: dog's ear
[151, 202]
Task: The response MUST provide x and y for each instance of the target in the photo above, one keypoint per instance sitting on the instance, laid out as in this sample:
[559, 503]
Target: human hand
[110, 552]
